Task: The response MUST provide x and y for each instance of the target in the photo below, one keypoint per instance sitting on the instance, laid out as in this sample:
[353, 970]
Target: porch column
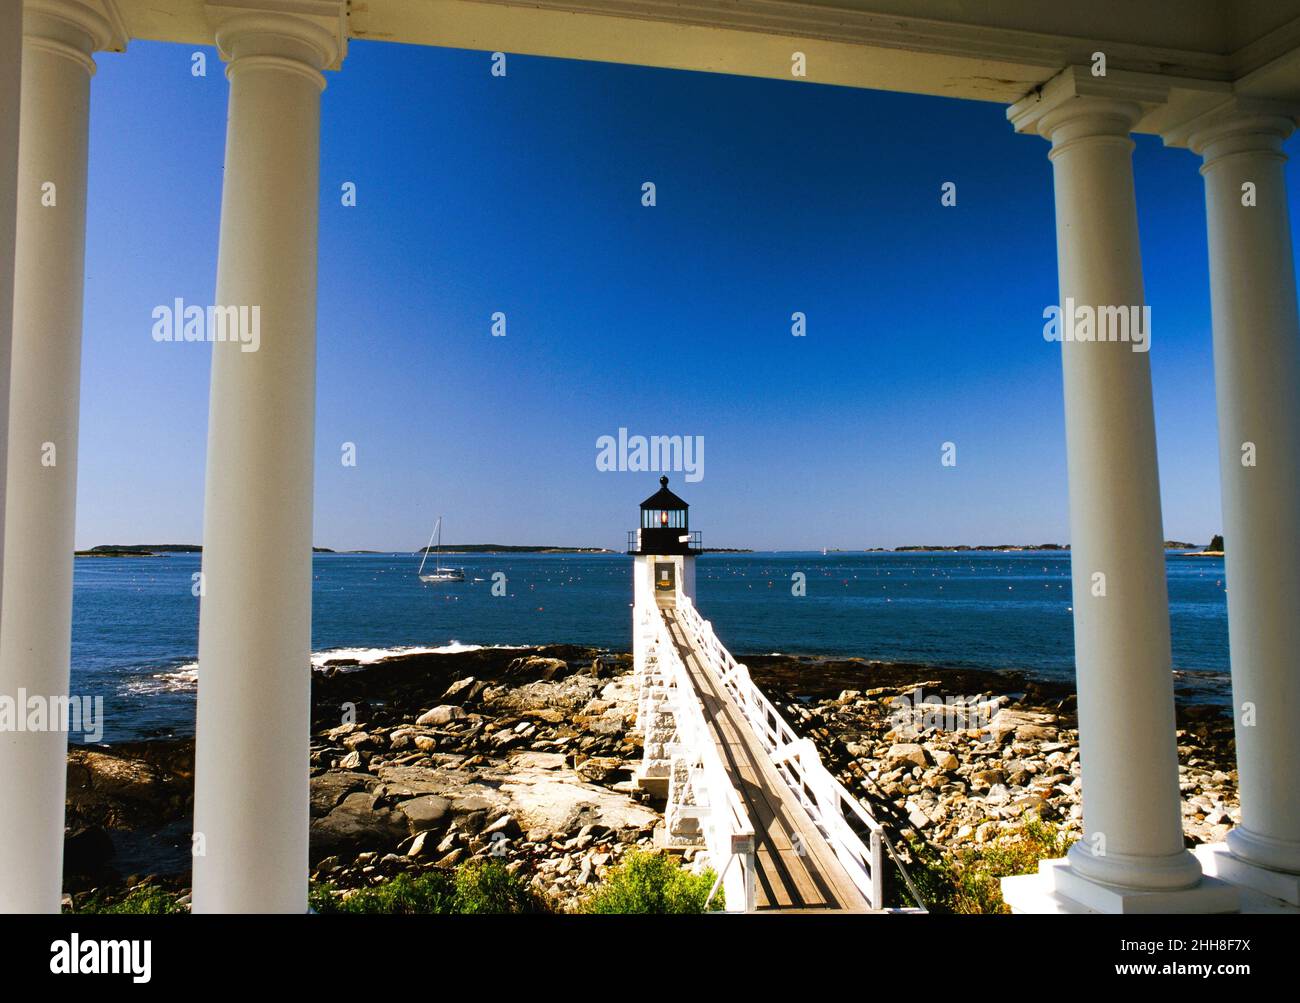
[251, 794]
[1131, 857]
[1257, 383]
[11, 66]
[58, 37]
[1132, 820]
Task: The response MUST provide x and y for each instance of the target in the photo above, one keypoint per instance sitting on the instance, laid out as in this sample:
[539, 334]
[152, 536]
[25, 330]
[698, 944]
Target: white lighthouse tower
[663, 550]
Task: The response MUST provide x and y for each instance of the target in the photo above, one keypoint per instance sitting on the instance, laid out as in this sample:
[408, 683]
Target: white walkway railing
[702, 803]
[836, 813]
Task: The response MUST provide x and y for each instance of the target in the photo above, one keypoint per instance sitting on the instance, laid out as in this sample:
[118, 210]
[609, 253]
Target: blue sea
[135, 622]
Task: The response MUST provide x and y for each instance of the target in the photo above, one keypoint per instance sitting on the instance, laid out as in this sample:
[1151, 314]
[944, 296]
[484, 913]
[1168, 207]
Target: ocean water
[135, 622]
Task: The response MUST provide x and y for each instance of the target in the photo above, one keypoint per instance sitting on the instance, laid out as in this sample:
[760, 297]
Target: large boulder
[442, 714]
[905, 755]
[426, 812]
[546, 668]
[329, 788]
[569, 694]
[1023, 724]
[355, 825]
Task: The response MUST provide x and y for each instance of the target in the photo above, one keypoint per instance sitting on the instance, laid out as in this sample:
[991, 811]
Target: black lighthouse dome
[665, 525]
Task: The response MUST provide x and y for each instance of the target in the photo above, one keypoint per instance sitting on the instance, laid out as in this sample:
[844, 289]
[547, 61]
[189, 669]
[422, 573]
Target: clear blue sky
[522, 194]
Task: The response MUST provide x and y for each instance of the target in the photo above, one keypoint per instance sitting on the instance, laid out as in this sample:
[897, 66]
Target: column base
[1057, 888]
[1217, 860]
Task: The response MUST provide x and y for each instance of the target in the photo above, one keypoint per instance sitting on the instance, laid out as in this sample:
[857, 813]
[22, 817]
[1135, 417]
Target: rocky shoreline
[526, 755]
[961, 786]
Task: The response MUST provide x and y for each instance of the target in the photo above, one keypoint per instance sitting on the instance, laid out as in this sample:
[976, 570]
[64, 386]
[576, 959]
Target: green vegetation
[485, 887]
[142, 900]
[643, 883]
[477, 887]
[652, 883]
[967, 881]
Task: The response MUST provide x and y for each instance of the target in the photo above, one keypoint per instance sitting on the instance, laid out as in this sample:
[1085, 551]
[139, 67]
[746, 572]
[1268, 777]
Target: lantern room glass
[671, 518]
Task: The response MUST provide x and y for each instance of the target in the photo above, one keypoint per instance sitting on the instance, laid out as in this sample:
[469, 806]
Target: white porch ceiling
[986, 50]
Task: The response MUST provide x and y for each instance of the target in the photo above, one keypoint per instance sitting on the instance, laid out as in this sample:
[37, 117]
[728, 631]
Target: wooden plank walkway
[785, 877]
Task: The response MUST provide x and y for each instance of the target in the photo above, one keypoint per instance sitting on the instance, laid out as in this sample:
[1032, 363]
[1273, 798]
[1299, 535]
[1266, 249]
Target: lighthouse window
[663, 518]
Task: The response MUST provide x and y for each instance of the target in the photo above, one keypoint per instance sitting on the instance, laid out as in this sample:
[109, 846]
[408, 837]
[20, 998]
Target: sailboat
[439, 573]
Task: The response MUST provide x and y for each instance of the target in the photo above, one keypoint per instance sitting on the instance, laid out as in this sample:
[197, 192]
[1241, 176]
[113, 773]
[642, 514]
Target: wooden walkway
[795, 868]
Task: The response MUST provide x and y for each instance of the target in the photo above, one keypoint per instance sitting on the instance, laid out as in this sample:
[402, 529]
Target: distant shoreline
[162, 550]
[1014, 547]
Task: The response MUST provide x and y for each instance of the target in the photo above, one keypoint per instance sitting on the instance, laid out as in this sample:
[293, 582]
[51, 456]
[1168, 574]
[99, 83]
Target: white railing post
[877, 875]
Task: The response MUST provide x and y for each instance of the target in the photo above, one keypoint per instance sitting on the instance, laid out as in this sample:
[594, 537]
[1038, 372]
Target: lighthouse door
[665, 579]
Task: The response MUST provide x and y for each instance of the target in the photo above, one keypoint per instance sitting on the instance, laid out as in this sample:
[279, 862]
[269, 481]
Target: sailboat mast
[425, 556]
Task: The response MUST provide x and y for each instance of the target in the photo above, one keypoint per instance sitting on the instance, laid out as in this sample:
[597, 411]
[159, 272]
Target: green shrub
[652, 883]
[968, 880]
[431, 893]
[476, 887]
[486, 887]
[142, 900]
[321, 898]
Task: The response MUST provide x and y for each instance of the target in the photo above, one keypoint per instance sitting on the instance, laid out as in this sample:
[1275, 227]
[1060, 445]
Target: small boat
[439, 573]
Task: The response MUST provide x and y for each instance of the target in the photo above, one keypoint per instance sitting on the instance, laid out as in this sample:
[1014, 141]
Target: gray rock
[905, 754]
[458, 688]
[419, 845]
[328, 789]
[987, 778]
[506, 825]
[427, 812]
[442, 714]
[945, 760]
[549, 668]
[354, 824]
[919, 819]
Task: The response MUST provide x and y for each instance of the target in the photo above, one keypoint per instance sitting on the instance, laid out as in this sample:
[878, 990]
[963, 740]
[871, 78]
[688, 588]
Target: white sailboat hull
[439, 575]
[444, 576]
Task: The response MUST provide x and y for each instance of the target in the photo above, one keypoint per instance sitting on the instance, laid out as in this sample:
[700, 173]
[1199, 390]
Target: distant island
[162, 549]
[154, 550]
[999, 547]
[1215, 548]
[502, 548]
[140, 550]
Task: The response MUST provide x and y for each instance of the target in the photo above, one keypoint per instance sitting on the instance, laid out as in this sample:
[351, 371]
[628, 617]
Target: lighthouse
[664, 550]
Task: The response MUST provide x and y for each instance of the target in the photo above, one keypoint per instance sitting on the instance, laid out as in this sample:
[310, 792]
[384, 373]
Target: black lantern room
[664, 526]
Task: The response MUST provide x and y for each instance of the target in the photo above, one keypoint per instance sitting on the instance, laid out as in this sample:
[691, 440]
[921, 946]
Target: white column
[1132, 853]
[41, 493]
[1132, 820]
[251, 795]
[1257, 383]
[11, 65]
